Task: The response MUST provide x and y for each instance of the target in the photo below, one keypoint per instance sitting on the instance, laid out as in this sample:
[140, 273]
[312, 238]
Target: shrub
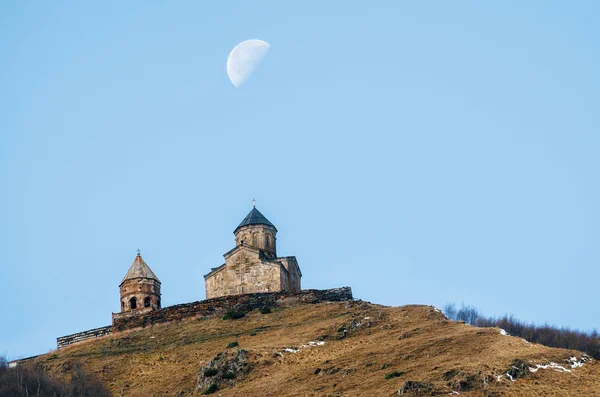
[210, 372]
[229, 375]
[211, 389]
[233, 315]
[394, 374]
[265, 309]
[232, 344]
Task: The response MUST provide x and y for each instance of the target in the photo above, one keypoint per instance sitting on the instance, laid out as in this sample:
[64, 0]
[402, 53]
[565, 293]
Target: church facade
[253, 265]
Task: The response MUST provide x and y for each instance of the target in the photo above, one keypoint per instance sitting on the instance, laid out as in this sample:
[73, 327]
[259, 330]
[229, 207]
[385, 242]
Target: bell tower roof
[255, 218]
[139, 269]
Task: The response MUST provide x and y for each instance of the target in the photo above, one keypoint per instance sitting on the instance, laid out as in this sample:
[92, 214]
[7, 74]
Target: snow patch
[296, 350]
[503, 332]
[508, 375]
[572, 362]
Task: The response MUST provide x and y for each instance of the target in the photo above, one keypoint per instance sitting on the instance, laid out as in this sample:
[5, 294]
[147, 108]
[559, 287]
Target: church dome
[255, 218]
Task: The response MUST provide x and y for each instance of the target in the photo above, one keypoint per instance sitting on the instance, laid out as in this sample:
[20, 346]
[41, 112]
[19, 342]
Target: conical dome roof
[139, 269]
[255, 218]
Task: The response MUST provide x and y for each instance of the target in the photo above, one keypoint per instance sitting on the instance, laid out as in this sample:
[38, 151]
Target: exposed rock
[518, 369]
[225, 369]
[413, 388]
[462, 381]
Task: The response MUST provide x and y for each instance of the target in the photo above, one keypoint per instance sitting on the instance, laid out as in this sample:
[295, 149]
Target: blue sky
[419, 152]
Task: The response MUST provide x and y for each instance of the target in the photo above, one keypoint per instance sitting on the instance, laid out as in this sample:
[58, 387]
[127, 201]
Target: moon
[244, 58]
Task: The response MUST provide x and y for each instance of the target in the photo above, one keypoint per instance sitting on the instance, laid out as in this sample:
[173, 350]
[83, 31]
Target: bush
[229, 375]
[233, 315]
[394, 374]
[265, 309]
[232, 344]
[210, 372]
[211, 389]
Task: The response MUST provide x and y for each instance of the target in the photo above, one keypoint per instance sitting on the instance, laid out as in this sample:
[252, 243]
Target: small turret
[140, 288]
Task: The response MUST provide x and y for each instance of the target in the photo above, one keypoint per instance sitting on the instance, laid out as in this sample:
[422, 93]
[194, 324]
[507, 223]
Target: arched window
[133, 303]
[122, 305]
[147, 301]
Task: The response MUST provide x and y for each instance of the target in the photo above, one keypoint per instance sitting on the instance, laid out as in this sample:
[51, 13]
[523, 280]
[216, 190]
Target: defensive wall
[67, 340]
[215, 306]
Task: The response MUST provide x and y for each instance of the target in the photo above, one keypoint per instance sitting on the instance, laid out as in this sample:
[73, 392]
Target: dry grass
[415, 341]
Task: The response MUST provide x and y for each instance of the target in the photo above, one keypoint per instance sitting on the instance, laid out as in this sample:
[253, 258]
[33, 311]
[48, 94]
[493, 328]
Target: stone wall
[222, 304]
[20, 361]
[64, 341]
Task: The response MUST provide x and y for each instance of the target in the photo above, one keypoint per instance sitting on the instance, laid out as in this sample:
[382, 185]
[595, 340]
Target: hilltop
[351, 348]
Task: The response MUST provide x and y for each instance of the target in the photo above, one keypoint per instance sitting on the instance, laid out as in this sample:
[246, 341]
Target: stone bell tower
[140, 288]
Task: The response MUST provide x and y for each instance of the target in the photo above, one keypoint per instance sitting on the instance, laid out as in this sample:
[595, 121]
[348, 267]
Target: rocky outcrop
[225, 369]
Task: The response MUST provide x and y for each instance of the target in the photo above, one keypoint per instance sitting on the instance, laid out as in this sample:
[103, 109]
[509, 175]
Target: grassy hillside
[363, 345]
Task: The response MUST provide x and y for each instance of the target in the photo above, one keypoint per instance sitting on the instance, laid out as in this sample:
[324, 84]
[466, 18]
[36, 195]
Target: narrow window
[158, 303]
[122, 305]
[147, 301]
[133, 303]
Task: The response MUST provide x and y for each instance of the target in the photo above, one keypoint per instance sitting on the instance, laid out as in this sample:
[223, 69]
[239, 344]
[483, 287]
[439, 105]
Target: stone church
[253, 265]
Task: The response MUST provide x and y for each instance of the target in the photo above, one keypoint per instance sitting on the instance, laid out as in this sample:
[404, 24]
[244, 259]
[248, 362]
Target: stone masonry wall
[222, 304]
[245, 273]
[64, 341]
